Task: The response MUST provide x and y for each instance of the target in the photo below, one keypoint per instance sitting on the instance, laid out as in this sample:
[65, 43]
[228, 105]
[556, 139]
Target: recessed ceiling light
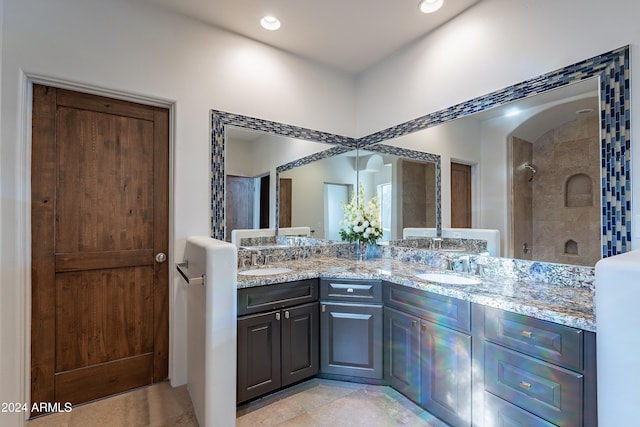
[270, 23]
[430, 6]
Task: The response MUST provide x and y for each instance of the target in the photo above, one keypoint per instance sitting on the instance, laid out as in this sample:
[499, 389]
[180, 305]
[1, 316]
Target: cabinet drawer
[351, 290]
[273, 297]
[555, 343]
[546, 390]
[440, 309]
[499, 413]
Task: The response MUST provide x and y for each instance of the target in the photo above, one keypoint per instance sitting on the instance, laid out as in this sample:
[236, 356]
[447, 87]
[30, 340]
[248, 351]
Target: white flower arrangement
[361, 219]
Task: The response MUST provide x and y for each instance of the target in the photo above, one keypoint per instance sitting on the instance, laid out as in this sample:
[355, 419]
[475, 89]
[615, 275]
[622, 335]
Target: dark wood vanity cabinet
[351, 328]
[467, 364]
[428, 351]
[536, 372]
[278, 347]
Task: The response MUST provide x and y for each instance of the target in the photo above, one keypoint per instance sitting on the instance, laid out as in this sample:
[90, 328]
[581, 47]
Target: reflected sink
[266, 271]
[449, 279]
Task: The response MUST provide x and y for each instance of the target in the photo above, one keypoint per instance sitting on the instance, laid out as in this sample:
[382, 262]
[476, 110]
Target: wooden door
[99, 217]
[284, 215]
[460, 195]
[265, 184]
[239, 204]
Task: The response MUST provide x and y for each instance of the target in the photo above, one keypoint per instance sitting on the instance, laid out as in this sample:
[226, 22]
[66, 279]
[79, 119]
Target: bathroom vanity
[351, 328]
[498, 352]
[277, 336]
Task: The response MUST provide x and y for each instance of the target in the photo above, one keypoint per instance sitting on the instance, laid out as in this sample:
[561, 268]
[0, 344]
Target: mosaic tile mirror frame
[612, 69]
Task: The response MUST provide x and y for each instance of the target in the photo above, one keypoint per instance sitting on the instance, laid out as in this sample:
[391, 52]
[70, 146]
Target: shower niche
[571, 247]
[579, 191]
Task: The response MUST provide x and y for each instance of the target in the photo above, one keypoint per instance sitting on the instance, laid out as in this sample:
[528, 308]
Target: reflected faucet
[436, 243]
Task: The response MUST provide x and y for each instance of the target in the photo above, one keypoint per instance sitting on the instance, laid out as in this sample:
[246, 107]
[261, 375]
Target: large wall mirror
[272, 180]
[275, 181]
[474, 126]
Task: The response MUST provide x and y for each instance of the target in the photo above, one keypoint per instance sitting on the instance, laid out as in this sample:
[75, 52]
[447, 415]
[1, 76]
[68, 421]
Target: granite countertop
[566, 305]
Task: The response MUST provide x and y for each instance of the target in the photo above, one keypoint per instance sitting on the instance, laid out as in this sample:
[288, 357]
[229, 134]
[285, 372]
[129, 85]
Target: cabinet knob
[525, 385]
[424, 328]
[526, 334]
[324, 308]
[349, 290]
[278, 316]
[286, 314]
[414, 324]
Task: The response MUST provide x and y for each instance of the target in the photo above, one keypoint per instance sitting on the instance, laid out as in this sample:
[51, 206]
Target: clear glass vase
[361, 250]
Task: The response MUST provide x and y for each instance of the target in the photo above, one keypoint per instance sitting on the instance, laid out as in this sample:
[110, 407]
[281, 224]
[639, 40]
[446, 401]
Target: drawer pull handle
[286, 314]
[349, 290]
[525, 385]
[277, 316]
[324, 308]
[526, 334]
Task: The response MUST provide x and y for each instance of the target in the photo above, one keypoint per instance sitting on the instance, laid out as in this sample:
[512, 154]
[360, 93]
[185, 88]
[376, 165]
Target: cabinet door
[351, 337]
[446, 373]
[402, 352]
[300, 343]
[258, 355]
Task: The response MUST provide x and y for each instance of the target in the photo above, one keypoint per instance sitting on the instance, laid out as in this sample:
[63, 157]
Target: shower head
[531, 167]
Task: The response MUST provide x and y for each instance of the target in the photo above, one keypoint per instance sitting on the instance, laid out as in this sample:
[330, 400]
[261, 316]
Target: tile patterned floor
[320, 402]
[316, 402]
[156, 405]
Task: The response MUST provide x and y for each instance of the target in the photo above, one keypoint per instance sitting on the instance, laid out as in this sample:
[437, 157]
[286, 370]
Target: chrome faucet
[461, 264]
[254, 258]
[436, 243]
[480, 269]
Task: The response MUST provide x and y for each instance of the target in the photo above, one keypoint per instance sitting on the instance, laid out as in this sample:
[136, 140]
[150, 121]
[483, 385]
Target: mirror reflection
[551, 205]
[251, 161]
[554, 165]
[315, 192]
[527, 176]
[406, 184]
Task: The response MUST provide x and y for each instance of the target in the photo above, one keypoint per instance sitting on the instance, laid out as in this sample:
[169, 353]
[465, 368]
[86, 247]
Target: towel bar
[197, 280]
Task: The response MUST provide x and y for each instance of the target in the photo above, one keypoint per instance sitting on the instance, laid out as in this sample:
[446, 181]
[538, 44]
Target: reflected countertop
[566, 305]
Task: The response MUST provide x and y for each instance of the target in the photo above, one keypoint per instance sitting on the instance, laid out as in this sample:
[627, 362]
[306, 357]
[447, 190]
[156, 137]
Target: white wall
[133, 48]
[495, 44]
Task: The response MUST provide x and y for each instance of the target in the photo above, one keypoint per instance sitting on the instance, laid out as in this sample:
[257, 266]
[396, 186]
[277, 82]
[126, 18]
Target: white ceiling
[348, 35]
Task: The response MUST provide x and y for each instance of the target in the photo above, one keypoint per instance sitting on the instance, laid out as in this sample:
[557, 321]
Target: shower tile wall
[418, 194]
[522, 212]
[568, 150]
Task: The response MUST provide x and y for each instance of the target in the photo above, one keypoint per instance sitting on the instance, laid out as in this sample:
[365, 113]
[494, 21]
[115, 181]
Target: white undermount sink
[449, 279]
[265, 271]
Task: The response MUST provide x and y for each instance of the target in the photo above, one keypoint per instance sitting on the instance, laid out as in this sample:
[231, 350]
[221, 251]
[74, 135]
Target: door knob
[161, 257]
